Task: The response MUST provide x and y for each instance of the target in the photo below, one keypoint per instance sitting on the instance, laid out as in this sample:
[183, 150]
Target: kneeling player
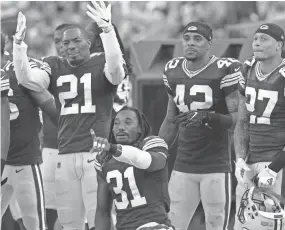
[132, 171]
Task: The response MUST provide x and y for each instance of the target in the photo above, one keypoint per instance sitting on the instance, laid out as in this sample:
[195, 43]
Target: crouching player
[132, 170]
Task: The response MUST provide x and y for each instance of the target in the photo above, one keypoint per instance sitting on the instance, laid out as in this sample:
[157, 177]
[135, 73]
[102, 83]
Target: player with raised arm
[202, 106]
[24, 106]
[132, 170]
[50, 147]
[22, 169]
[260, 130]
[84, 86]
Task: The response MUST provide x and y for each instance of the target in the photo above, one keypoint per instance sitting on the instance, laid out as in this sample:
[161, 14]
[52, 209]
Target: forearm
[114, 69]
[168, 131]
[225, 120]
[278, 162]
[50, 110]
[241, 138]
[149, 161]
[46, 103]
[5, 127]
[33, 79]
[102, 220]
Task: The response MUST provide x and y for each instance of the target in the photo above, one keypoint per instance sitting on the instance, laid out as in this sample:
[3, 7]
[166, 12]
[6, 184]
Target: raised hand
[100, 14]
[21, 28]
[99, 143]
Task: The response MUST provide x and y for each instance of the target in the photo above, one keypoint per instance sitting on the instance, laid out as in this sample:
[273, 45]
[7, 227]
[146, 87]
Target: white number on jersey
[282, 71]
[14, 111]
[129, 175]
[171, 64]
[262, 93]
[88, 107]
[195, 105]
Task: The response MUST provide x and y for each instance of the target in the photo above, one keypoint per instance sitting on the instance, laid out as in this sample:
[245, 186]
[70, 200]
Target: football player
[260, 130]
[5, 111]
[132, 170]
[202, 106]
[50, 148]
[84, 86]
[24, 157]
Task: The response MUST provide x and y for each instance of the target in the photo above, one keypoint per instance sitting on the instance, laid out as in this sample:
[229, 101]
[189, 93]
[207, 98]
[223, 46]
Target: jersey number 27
[260, 95]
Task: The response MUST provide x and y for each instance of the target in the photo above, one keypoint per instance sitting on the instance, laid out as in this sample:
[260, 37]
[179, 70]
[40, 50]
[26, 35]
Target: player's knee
[214, 221]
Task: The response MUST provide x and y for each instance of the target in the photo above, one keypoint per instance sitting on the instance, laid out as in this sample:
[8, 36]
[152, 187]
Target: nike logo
[89, 161]
[17, 171]
[237, 69]
[105, 20]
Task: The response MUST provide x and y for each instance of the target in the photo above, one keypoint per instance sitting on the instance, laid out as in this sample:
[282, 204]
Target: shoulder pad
[250, 61]
[226, 62]
[282, 71]
[173, 63]
[153, 142]
[51, 58]
[97, 54]
[248, 64]
[7, 67]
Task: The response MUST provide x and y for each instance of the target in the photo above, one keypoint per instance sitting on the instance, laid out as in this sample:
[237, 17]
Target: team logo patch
[264, 27]
[192, 28]
[58, 165]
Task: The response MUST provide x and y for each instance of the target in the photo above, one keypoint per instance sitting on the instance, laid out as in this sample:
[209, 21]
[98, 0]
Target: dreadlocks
[143, 123]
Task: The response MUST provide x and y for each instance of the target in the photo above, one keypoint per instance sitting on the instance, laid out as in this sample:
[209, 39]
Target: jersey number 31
[137, 200]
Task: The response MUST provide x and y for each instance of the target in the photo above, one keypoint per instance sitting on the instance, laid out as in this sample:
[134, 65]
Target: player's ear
[279, 46]
[89, 43]
[209, 45]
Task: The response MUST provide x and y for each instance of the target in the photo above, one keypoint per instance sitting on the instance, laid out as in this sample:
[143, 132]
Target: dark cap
[199, 28]
[272, 30]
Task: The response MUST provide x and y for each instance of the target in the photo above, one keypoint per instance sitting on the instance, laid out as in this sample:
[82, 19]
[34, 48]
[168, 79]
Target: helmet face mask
[261, 211]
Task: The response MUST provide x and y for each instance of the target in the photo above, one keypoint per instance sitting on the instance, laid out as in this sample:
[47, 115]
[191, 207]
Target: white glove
[100, 14]
[21, 29]
[241, 167]
[266, 178]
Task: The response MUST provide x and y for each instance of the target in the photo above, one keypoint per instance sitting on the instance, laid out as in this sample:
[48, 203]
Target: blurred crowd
[138, 20]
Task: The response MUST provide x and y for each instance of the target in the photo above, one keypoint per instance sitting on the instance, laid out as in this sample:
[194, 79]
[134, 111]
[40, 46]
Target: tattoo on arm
[241, 133]
[232, 101]
[169, 130]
